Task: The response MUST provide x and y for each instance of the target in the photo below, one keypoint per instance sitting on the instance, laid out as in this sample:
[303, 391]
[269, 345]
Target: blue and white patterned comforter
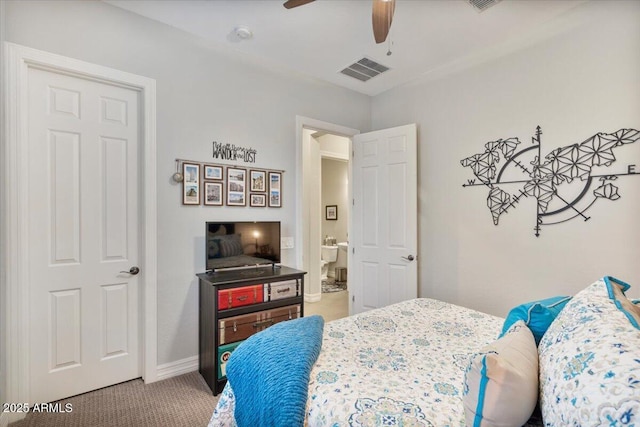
[398, 365]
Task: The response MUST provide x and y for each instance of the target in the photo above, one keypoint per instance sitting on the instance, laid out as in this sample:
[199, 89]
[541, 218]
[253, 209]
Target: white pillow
[501, 382]
[590, 360]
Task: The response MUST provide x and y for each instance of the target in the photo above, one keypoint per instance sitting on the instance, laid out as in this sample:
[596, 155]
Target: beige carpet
[179, 401]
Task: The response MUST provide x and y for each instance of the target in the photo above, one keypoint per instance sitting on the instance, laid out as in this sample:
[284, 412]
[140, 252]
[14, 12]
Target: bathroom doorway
[332, 153]
[330, 144]
[334, 193]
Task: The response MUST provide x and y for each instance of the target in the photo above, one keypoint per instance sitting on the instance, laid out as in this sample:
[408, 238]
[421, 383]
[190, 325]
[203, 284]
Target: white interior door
[384, 235]
[83, 233]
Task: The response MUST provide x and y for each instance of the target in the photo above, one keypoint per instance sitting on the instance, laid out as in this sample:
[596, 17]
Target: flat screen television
[242, 244]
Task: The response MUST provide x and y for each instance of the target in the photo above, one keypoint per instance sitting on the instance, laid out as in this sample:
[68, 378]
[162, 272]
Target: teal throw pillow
[537, 315]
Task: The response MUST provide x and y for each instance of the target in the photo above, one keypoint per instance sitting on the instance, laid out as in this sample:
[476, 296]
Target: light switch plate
[286, 242]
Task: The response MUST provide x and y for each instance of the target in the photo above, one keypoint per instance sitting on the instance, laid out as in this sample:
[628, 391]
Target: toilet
[329, 254]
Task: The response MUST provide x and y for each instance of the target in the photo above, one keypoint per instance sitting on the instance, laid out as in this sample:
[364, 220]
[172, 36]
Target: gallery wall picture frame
[257, 180]
[212, 172]
[275, 189]
[190, 184]
[212, 193]
[236, 187]
[331, 212]
[257, 200]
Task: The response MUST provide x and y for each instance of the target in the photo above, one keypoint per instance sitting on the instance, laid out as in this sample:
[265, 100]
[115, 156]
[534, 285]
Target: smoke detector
[243, 33]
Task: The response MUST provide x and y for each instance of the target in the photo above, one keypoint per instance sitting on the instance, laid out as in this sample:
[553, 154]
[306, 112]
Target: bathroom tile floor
[332, 306]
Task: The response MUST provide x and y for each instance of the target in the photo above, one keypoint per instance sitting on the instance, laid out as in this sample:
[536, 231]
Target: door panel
[114, 190]
[115, 320]
[83, 231]
[64, 180]
[65, 329]
[384, 231]
[368, 215]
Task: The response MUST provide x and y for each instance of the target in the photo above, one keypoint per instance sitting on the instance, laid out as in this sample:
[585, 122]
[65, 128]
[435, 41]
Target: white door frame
[304, 242]
[18, 60]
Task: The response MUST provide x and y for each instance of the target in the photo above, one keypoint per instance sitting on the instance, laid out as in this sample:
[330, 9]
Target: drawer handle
[242, 298]
[290, 315]
[235, 327]
[283, 290]
[263, 323]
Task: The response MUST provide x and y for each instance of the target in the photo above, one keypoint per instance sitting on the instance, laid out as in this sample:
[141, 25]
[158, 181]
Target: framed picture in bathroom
[331, 212]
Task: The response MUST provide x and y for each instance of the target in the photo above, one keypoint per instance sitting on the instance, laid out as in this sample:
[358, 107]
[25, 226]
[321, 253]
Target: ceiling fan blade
[382, 16]
[290, 4]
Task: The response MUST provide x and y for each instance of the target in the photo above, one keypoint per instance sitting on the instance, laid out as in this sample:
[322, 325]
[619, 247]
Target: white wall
[202, 96]
[574, 85]
[335, 174]
[334, 150]
[334, 146]
[335, 191]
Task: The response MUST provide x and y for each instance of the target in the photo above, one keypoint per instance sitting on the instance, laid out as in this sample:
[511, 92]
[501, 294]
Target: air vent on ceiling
[364, 69]
[482, 5]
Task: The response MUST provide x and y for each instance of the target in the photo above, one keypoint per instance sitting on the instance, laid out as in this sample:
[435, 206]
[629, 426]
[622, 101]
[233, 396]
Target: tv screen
[240, 244]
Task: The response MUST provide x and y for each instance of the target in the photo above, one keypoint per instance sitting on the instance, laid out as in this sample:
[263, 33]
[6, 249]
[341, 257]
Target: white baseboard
[179, 367]
[312, 297]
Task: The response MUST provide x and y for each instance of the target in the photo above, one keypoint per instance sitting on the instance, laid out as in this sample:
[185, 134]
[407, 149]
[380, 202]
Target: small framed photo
[191, 184]
[236, 187]
[213, 193]
[275, 189]
[257, 200]
[331, 212]
[257, 180]
[212, 172]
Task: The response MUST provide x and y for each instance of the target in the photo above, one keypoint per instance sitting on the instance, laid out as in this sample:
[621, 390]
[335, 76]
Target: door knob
[133, 271]
[408, 258]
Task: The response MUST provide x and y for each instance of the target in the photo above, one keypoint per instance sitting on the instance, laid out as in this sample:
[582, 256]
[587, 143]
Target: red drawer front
[238, 328]
[237, 297]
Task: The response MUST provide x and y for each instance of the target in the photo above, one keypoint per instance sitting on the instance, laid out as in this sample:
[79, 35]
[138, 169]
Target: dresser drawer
[238, 328]
[224, 352]
[237, 297]
[278, 290]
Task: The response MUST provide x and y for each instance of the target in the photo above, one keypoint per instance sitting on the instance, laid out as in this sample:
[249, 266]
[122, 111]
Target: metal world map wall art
[566, 183]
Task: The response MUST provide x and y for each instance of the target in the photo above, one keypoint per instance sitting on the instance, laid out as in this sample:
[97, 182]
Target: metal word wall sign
[232, 152]
[552, 181]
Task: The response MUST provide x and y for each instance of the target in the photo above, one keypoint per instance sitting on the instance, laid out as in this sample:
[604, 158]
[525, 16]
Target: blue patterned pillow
[589, 360]
[537, 315]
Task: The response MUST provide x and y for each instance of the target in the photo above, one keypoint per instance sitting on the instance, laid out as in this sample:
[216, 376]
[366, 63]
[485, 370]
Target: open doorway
[319, 143]
[334, 202]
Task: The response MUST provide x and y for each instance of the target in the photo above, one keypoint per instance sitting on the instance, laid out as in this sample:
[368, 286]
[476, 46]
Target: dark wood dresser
[235, 305]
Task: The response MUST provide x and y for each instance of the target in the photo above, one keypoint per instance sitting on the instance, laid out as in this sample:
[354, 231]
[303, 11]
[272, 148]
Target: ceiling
[427, 37]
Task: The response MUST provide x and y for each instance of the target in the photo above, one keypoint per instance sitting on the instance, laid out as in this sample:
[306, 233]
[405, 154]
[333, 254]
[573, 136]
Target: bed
[409, 364]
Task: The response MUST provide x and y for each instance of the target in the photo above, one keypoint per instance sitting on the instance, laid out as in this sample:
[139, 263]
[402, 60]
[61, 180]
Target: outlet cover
[286, 242]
